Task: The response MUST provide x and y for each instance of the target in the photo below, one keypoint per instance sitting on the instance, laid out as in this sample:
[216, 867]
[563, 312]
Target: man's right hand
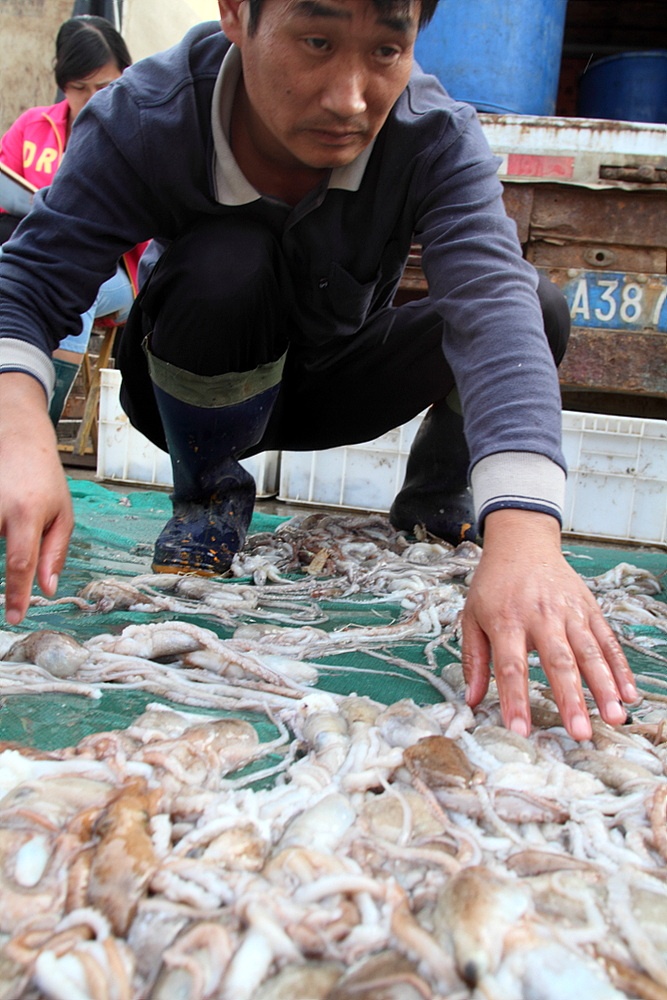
[36, 515]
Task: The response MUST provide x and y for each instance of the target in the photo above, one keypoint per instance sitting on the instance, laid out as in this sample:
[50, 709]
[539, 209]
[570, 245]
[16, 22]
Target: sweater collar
[231, 187]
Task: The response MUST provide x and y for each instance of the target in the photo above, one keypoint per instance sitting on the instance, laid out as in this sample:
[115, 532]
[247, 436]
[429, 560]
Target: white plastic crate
[616, 487]
[361, 476]
[617, 478]
[126, 456]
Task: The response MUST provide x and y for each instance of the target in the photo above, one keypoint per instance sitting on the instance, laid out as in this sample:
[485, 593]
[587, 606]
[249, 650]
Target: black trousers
[220, 300]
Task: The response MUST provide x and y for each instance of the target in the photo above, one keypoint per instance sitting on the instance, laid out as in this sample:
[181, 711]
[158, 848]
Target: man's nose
[344, 95]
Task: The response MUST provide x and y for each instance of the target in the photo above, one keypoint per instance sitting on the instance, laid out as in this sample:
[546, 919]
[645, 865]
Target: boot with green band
[209, 426]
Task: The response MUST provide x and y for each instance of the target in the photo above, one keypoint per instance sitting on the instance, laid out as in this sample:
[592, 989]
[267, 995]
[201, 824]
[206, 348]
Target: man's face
[321, 76]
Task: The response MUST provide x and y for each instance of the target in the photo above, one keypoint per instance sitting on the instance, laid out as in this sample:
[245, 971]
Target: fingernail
[615, 712]
[12, 617]
[580, 727]
[630, 692]
[53, 583]
[519, 726]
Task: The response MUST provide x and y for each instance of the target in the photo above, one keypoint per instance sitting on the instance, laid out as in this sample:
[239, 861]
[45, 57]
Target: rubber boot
[435, 495]
[66, 374]
[214, 495]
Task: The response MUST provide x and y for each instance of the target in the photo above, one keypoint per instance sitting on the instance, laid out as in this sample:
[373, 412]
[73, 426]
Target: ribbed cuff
[518, 479]
[19, 356]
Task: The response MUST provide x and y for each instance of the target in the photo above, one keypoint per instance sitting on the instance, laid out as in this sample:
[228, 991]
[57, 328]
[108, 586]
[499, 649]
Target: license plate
[617, 300]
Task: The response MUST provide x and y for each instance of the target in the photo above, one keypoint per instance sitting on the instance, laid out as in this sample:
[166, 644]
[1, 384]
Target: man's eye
[388, 53]
[319, 44]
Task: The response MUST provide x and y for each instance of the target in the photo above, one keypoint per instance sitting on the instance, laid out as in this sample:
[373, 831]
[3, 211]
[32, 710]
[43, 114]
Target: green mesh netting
[114, 536]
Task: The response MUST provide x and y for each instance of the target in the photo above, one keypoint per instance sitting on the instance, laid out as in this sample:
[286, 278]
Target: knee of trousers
[217, 260]
[556, 314]
[220, 288]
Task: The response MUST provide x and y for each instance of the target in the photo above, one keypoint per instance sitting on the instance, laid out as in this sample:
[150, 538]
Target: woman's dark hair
[85, 44]
[384, 6]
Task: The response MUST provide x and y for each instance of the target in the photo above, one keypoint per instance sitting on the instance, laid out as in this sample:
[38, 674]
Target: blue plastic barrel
[631, 87]
[502, 56]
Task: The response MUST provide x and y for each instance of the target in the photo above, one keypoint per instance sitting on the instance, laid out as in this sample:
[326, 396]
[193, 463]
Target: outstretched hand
[524, 597]
[35, 504]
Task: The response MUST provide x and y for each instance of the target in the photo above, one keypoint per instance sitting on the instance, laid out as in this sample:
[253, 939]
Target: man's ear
[232, 19]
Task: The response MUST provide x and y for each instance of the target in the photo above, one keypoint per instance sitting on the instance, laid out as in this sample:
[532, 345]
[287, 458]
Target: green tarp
[114, 536]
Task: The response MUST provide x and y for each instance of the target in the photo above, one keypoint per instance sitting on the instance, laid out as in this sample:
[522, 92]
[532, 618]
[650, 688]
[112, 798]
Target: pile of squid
[273, 840]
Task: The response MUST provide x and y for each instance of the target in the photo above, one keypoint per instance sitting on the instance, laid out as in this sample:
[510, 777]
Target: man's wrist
[513, 528]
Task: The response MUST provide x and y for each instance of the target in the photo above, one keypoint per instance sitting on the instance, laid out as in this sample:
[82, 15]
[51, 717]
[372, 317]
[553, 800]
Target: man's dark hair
[384, 6]
[85, 44]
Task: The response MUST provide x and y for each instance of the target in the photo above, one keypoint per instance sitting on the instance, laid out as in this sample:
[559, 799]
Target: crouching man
[283, 166]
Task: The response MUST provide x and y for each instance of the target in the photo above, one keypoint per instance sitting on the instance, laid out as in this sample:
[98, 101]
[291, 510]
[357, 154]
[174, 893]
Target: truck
[589, 198]
[588, 192]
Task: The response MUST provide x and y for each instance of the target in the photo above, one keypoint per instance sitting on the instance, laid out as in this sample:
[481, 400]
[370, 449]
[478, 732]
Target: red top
[33, 147]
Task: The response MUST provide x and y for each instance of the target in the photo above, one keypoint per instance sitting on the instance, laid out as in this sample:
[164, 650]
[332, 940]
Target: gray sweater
[140, 164]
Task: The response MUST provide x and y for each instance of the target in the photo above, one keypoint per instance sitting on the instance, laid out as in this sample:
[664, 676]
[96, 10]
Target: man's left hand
[524, 597]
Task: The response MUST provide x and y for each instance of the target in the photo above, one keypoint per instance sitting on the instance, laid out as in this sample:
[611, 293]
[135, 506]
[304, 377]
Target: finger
[53, 553]
[597, 672]
[615, 657]
[475, 660]
[21, 563]
[510, 668]
[560, 665]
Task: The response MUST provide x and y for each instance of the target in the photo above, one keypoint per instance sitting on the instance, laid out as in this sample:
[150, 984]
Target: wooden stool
[87, 432]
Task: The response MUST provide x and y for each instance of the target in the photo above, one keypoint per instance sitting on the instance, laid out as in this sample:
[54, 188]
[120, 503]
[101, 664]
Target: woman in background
[90, 54]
